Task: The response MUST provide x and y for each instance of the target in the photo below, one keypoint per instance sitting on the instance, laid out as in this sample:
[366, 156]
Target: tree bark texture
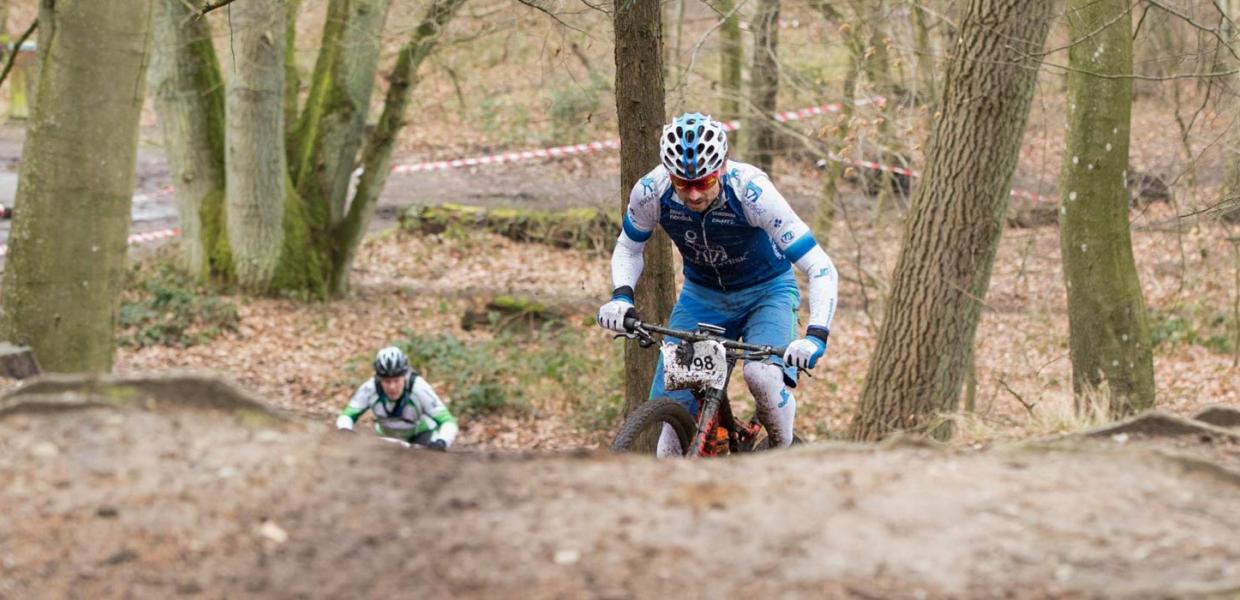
[1110, 336]
[255, 160]
[926, 68]
[292, 79]
[639, 108]
[335, 113]
[763, 85]
[731, 59]
[188, 93]
[377, 155]
[67, 247]
[1229, 209]
[955, 220]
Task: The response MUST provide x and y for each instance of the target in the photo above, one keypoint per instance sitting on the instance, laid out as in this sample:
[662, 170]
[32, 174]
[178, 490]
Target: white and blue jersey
[749, 235]
[738, 258]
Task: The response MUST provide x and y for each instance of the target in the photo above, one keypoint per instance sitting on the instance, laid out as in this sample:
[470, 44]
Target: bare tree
[322, 140]
[763, 86]
[66, 263]
[1110, 338]
[639, 108]
[955, 220]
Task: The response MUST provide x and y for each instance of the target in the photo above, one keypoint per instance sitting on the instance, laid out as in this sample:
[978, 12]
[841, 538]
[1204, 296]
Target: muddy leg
[775, 405]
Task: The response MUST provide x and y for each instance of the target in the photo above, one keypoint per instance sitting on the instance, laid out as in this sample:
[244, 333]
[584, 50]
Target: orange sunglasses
[701, 183]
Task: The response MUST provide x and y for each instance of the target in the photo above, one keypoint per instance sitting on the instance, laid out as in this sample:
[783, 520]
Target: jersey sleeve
[767, 209]
[640, 219]
[433, 407]
[361, 401]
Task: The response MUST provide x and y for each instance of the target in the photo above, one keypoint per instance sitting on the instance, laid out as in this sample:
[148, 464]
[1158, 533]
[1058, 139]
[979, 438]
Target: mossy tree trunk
[955, 220]
[1110, 337]
[926, 69]
[184, 79]
[1229, 209]
[731, 59]
[67, 247]
[319, 229]
[331, 125]
[639, 108]
[763, 86]
[377, 155]
[839, 134]
[254, 161]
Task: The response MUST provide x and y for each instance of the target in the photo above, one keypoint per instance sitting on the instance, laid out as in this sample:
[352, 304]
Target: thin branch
[1145, 77]
[1189, 19]
[1028, 406]
[557, 19]
[213, 6]
[8, 65]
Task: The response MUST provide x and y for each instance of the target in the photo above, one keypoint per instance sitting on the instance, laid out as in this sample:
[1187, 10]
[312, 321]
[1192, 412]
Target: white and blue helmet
[693, 146]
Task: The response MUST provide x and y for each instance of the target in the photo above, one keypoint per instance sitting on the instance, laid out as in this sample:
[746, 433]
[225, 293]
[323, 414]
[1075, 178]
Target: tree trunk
[764, 85]
[925, 54]
[377, 155]
[67, 246]
[731, 57]
[189, 100]
[292, 79]
[1110, 337]
[255, 160]
[955, 220]
[333, 120]
[838, 137]
[639, 109]
[1229, 209]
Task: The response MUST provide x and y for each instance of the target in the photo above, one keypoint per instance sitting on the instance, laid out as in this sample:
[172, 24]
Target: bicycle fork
[711, 401]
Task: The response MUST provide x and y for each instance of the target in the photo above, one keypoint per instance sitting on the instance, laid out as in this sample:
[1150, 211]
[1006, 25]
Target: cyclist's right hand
[611, 315]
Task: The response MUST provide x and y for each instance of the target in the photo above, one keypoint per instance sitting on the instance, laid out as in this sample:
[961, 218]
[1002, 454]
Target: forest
[216, 212]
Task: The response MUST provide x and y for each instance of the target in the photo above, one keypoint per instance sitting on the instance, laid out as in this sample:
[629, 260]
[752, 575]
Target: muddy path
[133, 493]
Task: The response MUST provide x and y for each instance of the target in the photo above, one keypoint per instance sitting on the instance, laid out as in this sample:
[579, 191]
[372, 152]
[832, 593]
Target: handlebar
[644, 330]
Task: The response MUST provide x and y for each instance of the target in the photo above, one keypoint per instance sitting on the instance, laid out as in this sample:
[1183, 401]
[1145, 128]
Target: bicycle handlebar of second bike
[633, 325]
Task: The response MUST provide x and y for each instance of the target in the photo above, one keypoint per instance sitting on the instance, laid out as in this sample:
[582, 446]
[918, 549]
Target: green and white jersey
[418, 411]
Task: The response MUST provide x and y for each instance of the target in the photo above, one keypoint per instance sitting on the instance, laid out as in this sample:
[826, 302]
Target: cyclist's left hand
[805, 352]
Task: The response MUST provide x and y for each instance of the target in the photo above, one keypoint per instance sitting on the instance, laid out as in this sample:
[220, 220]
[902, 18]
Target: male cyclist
[404, 404]
[738, 238]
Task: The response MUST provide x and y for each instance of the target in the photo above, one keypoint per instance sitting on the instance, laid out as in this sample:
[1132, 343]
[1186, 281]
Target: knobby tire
[655, 412]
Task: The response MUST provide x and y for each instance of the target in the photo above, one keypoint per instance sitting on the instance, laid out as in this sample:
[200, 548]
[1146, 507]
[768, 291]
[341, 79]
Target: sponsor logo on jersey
[752, 192]
[786, 237]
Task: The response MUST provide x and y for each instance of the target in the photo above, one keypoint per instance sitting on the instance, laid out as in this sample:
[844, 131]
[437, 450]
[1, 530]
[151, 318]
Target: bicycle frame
[712, 400]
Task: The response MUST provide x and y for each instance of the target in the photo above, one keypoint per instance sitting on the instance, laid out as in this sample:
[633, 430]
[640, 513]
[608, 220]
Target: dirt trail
[133, 493]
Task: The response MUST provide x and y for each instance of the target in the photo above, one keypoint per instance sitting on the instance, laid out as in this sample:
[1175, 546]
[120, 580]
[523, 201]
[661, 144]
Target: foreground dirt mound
[161, 497]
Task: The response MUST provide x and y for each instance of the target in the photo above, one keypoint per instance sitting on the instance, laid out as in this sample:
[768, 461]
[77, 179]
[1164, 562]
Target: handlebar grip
[630, 323]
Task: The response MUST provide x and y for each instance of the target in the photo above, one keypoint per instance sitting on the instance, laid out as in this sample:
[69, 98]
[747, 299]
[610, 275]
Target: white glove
[344, 422]
[611, 315]
[805, 352]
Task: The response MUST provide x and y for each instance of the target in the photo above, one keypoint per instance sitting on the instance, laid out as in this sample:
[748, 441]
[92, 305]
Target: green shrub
[503, 374]
[1193, 324]
[165, 307]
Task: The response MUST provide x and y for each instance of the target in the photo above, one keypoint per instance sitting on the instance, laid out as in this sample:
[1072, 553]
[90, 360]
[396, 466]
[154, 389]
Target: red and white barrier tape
[135, 239]
[612, 144]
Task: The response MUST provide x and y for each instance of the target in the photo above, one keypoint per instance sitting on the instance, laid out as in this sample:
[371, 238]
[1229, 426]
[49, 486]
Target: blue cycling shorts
[764, 314]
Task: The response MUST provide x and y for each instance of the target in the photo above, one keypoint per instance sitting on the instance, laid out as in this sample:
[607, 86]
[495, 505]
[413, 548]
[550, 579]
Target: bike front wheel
[641, 429]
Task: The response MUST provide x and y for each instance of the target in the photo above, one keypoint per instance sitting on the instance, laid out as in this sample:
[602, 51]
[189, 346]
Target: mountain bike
[703, 363]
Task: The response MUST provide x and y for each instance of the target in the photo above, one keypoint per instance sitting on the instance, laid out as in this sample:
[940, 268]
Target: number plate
[698, 365]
